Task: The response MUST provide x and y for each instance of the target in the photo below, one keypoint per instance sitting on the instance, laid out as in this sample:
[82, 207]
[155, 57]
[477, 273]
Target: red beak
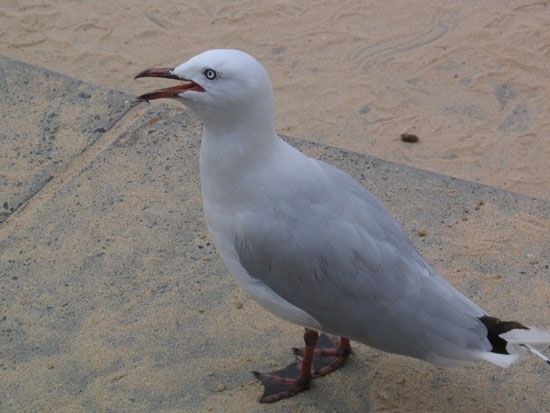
[169, 92]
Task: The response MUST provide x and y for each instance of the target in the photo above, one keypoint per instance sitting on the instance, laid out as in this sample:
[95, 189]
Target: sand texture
[113, 299]
[470, 78]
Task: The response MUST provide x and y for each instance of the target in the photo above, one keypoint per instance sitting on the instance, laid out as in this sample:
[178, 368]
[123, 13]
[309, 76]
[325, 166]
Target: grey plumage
[354, 270]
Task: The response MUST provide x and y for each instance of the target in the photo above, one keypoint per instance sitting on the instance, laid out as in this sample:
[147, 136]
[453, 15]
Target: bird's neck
[234, 151]
[237, 138]
[237, 146]
[233, 160]
[254, 118]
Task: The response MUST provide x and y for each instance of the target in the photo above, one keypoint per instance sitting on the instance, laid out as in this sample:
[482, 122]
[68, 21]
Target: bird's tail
[508, 338]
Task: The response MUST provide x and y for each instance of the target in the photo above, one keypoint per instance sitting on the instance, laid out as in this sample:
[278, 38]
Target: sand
[470, 79]
[113, 298]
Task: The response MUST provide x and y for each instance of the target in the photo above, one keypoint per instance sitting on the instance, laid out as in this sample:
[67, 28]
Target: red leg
[292, 379]
[329, 355]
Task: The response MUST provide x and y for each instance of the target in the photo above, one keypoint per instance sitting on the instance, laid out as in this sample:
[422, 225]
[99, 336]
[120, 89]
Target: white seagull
[313, 246]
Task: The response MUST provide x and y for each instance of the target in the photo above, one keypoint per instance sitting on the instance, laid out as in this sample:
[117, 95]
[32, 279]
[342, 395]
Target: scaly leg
[329, 355]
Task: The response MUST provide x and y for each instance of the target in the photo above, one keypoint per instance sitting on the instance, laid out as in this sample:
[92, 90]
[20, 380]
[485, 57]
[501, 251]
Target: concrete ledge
[47, 120]
[114, 299]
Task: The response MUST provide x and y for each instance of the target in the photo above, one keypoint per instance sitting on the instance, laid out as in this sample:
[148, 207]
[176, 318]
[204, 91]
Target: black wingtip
[495, 328]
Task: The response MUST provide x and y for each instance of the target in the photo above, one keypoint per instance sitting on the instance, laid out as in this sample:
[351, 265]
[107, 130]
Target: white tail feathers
[531, 336]
[526, 338]
[501, 360]
[536, 352]
[508, 347]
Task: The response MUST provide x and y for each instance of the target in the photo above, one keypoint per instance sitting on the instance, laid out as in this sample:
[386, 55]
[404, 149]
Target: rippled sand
[471, 79]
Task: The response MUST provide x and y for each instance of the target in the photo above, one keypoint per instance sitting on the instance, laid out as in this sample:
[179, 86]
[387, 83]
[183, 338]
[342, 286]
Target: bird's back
[328, 246]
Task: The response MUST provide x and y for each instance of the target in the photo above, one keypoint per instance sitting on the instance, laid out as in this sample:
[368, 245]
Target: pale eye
[210, 74]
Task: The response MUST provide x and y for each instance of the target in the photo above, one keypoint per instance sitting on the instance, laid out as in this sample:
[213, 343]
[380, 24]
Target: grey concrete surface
[112, 297]
[47, 120]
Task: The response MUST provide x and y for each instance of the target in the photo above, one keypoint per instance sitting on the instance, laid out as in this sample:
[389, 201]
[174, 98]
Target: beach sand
[470, 79]
[112, 296]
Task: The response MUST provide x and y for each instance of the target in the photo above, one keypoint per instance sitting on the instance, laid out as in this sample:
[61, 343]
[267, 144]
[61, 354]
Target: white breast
[230, 192]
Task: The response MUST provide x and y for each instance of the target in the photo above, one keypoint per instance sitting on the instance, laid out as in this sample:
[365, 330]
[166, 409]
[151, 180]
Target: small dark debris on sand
[409, 137]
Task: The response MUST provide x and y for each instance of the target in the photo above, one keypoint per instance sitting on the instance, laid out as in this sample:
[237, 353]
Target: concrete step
[113, 297]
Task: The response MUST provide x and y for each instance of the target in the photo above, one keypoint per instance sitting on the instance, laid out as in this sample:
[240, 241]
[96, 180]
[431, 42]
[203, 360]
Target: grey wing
[336, 253]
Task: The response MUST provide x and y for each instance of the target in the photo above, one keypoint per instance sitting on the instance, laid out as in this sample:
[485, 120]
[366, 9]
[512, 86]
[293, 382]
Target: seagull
[313, 246]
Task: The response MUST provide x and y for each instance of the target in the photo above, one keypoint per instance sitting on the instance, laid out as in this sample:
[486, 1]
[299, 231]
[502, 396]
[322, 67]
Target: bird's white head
[224, 88]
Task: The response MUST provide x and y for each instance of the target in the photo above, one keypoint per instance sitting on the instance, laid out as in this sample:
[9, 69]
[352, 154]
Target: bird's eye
[210, 74]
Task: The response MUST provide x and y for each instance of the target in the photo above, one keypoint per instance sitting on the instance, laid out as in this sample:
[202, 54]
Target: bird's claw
[282, 383]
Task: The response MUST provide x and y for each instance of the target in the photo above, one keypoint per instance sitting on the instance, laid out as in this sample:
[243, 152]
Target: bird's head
[219, 86]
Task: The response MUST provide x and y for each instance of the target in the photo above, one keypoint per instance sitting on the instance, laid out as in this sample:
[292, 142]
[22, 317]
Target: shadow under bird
[313, 246]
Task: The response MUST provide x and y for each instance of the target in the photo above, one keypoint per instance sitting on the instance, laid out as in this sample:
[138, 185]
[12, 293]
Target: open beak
[169, 92]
